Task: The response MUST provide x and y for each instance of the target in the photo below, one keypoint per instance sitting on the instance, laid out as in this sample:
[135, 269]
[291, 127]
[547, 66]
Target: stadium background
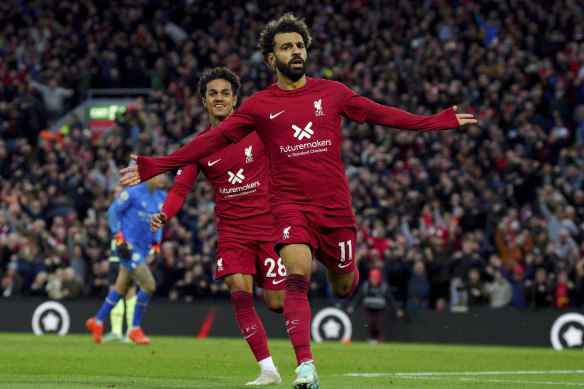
[430, 206]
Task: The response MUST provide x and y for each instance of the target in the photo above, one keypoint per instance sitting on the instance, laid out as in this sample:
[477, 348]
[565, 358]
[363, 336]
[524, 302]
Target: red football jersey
[301, 133]
[239, 176]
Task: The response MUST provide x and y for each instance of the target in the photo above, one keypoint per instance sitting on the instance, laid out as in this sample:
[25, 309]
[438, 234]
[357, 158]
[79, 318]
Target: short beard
[289, 72]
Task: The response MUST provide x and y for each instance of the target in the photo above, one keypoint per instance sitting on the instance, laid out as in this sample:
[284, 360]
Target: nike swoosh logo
[213, 163]
[249, 335]
[342, 267]
[277, 282]
[273, 116]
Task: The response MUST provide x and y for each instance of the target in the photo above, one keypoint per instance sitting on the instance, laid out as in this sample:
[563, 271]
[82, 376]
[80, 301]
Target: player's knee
[276, 306]
[149, 287]
[239, 282]
[122, 289]
[275, 302]
[341, 289]
[344, 288]
[235, 285]
[343, 285]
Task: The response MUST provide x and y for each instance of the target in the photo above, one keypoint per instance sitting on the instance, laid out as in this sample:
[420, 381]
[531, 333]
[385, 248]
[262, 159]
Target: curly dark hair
[286, 23]
[219, 73]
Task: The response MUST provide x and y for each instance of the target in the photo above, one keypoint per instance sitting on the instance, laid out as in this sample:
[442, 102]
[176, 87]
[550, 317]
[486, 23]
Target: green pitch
[74, 361]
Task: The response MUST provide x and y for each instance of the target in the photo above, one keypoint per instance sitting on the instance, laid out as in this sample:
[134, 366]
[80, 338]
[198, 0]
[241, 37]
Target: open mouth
[219, 106]
[297, 63]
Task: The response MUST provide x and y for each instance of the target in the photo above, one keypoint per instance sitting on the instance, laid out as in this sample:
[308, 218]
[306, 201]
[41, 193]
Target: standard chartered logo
[236, 178]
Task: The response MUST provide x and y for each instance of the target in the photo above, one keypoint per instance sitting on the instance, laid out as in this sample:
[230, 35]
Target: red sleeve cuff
[144, 169]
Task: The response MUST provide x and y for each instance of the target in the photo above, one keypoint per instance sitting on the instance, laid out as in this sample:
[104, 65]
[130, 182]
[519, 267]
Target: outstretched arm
[361, 109]
[396, 118]
[200, 147]
[231, 130]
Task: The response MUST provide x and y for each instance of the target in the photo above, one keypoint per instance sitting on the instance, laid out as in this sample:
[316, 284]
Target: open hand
[464, 118]
[130, 175]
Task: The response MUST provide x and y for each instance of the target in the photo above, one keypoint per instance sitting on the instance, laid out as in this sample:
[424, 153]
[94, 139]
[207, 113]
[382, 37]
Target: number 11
[350, 247]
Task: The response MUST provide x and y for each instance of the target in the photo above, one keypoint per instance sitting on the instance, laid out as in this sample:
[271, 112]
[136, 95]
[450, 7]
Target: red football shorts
[251, 257]
[331, 238]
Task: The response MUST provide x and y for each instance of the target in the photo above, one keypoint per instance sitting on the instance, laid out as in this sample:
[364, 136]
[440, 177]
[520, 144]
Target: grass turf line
[74, 361]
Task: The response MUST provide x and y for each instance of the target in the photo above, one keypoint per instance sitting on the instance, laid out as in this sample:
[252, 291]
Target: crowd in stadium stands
[488, 215]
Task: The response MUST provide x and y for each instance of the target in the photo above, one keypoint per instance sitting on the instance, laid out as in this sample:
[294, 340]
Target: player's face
[219, 99]
[289, 55]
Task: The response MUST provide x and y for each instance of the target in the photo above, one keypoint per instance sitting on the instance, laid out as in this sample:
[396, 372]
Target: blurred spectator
[54, 284]
[520, 281]
[567, 246]
[11, 281]
[564, 291]
[71, 286]
[498, 291]
[512, 243]
[460, 268]
[557, 220]
[475, 288]
[78, 261]
[539, 291]
[99, 283]
[54, 97]
[490, 29]
[418, 287]
[38, 287]
[375, 296]
[438, 265]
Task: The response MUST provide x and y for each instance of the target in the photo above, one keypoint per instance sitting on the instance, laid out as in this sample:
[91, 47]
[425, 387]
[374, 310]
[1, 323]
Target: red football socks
[297, 315]
[250, 325]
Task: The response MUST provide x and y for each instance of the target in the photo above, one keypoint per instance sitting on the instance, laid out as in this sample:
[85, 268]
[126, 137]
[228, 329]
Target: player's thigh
[270, 270]
[297, 259]
[239, 282]
[131, 291]
[235, 257]
[123, 281]
[144, 278]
